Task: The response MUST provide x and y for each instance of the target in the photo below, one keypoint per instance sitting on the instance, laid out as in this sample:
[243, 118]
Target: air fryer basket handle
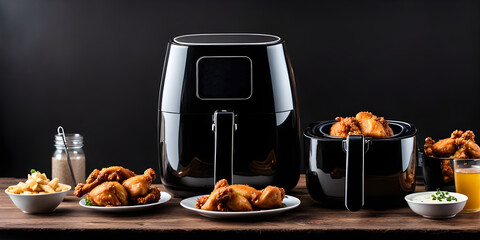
[354, 177]
[224, 126]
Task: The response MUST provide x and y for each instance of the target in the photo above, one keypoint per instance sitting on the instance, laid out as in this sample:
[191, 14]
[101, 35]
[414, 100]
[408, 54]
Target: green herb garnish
[88, 202]
[32, 171]
[239, 194]
[440, 196]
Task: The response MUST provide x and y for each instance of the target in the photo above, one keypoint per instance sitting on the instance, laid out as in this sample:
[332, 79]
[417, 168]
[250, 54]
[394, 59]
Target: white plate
[289, 201]
[164, 197]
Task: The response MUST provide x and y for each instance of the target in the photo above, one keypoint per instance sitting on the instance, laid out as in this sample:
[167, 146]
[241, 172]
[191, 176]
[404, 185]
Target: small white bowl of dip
[422, 203]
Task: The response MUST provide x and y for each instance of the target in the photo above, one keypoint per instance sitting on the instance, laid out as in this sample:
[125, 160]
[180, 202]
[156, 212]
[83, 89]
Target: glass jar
[60, 168]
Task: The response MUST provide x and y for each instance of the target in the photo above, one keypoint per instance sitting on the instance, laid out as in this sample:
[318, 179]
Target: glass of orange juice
[467, 181]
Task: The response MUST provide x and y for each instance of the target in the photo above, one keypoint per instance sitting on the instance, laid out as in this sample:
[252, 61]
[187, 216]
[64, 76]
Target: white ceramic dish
[164, 197]
[37, 203]
[289, 201]
[420, 204]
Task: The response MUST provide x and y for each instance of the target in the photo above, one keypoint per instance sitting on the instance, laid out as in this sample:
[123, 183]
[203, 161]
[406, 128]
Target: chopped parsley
[88, 202]
[440, 196]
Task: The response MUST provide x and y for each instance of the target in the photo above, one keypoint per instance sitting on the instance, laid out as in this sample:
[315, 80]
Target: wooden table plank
[309, 220]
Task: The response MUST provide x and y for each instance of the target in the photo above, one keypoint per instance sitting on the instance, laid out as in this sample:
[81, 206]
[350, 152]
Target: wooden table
[170, 220]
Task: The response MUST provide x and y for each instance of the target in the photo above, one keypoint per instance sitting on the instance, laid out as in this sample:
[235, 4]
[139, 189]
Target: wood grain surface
[170, 220]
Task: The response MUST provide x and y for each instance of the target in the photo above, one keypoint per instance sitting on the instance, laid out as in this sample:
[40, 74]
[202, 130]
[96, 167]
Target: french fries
[38, 183]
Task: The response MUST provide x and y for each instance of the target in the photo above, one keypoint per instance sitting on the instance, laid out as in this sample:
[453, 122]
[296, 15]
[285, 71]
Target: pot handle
[223, 126]
[354, 176]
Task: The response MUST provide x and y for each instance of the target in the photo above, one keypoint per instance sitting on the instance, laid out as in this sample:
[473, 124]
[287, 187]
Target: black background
[94, 67]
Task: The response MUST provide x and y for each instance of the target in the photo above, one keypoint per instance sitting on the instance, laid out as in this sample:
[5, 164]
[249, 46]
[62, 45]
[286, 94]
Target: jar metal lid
[72, 139]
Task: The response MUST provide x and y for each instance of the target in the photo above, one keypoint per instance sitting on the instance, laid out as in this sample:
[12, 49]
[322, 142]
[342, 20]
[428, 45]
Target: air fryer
[360, 171]
[227, 110]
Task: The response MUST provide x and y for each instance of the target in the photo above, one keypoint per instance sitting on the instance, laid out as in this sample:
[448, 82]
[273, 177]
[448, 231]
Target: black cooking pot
[433, 176]
[358, 170]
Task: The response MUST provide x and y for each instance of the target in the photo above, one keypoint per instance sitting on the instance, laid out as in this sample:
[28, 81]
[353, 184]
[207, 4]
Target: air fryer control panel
[224, 78]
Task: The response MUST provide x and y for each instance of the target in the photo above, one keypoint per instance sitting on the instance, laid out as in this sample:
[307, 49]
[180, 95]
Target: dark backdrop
[94, 67]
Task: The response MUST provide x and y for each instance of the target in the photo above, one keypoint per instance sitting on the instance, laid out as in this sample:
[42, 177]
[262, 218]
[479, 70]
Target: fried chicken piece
[152, 196]
[139, 188]
[97, 177]
[233, 201]
[211, 202]
[460, 145]
[373, 126]
[344, 127]
[244, 190]
[240, 197]
[92, 176]
[467, 135]
[427, 147]
[444, 147]
[116, 173]
[221, 183]
[269, 197]
[467, 148]
[103, 187]
[139, 185]
[224, 199]
[447, 171]
[472, 149]
[201, 202]
[363, 123]
[108, 194]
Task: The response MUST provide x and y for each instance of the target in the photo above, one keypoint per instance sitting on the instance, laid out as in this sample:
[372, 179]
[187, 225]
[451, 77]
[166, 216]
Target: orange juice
[467, 181]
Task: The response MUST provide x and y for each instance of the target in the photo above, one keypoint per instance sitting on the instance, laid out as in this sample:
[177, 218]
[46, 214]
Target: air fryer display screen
[224, 77]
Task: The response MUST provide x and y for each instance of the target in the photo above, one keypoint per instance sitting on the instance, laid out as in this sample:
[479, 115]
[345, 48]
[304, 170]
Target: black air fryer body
[360, 171]
[227, 109]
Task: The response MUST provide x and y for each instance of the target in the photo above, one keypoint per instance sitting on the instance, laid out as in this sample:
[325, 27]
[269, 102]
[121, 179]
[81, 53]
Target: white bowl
[429, 209]
[37, 203]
